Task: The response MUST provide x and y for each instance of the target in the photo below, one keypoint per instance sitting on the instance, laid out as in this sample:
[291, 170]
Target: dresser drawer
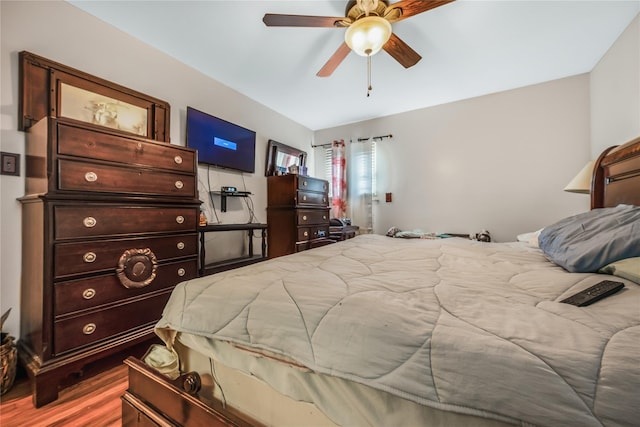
[75, 332]
[100, 178]
[312, 184]
[312, 216]
[82, 294]
[97, 255]
[88, 143]
[103, 220]
[310, 233]
[310, 198]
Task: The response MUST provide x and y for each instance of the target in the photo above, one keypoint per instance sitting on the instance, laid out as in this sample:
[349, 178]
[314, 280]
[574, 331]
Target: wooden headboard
[616, 176]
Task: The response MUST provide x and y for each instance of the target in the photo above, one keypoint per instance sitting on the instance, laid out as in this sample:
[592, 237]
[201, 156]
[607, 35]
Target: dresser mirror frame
[48, 88]
[278, 152]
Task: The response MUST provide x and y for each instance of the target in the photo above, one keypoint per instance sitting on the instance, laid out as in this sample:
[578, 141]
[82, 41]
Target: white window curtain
[361, 183]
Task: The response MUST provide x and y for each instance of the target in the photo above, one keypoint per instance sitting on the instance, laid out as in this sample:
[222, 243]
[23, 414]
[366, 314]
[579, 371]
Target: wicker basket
[9, 361]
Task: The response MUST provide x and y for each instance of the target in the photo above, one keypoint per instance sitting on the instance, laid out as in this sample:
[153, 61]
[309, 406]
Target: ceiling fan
[368, 24]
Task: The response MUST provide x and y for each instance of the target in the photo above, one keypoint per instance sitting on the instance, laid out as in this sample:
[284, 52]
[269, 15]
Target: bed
[377, 331]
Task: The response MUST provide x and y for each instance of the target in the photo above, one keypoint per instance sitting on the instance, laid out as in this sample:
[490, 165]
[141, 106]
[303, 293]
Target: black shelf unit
[224, 194]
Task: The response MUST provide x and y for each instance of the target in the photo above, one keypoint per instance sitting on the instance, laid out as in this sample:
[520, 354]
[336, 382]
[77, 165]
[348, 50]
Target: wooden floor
[92, 402]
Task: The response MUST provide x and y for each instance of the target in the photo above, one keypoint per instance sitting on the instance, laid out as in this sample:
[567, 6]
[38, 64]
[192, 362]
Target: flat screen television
[221, 143]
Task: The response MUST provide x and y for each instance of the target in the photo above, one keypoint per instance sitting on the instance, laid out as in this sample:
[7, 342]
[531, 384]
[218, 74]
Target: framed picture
[91, 107]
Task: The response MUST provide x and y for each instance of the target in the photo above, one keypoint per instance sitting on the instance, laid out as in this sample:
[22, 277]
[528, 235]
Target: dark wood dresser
[109, 220]
[109, 228]
[297, 214]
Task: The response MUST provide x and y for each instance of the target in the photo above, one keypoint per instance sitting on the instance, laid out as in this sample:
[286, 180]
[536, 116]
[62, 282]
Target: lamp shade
[367, 35]
[581, 183]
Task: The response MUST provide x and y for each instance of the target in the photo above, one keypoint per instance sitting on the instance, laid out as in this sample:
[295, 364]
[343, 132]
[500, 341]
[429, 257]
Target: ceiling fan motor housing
[355, 11]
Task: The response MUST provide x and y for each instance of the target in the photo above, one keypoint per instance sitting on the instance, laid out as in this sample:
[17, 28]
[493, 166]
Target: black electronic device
[221, 143]
[339, 222]
[594, 293]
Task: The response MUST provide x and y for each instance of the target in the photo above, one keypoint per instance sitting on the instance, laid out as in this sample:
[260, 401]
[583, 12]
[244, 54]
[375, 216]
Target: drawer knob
[89, 293]
[137, 268]
[89, 222]
[139, 146]
[181, 272]
[90, 176]
[324, 217]
[89, 257]
[89, 328]
[179, 185]
[179, 219]
[192, 383]
[304, 197]
[304, 217]
[178, 160]
[306, 234]
[304, 183]
[180, 245]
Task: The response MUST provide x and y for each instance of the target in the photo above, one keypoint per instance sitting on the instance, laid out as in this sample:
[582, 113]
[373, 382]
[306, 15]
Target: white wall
[497, 162]
[58, 31]
[615, 92]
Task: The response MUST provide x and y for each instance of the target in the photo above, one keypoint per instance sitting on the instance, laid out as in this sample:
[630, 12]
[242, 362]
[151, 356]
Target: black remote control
[594, 293]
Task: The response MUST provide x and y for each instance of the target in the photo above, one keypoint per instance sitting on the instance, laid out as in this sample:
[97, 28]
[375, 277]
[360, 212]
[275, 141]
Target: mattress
[284, 395]
[451, 324]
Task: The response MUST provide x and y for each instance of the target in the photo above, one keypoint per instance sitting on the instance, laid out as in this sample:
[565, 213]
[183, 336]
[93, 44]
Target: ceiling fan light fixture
[367, 35]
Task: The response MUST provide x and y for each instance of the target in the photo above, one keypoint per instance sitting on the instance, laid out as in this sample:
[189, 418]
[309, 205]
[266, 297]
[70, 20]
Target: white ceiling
[468, 48]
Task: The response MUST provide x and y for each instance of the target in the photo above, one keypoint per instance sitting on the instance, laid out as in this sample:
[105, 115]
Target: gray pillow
[588, 241]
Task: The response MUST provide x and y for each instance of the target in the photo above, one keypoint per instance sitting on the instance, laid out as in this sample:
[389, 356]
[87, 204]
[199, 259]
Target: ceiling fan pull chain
[368, 75]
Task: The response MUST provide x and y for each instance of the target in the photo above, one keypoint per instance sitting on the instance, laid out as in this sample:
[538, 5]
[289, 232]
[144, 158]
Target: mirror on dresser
[281, 156]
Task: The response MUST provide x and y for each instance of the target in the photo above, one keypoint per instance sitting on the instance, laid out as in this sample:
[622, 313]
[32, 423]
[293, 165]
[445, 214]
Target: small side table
[229, 264]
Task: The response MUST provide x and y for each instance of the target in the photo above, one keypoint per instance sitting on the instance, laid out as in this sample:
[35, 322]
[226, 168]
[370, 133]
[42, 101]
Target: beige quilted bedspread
[447, 323]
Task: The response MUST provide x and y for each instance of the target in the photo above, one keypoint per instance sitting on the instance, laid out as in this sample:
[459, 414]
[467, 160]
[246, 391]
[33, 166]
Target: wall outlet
[10, 163]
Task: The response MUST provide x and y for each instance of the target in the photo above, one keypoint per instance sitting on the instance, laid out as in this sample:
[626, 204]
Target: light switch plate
[10, 163]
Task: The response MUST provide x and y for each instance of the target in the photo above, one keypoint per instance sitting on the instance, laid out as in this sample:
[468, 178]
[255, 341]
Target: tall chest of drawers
[297, 214]
[109, 228]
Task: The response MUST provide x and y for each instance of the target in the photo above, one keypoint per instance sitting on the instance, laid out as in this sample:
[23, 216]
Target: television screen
[220, 143]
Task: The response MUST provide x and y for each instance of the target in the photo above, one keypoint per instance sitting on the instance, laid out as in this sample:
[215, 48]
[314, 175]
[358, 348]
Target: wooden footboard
[154, 400]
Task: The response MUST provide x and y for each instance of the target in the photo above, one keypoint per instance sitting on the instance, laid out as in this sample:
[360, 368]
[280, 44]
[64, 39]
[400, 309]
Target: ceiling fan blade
[276, 20]
[401, 52]
[335, 60]
[409, 8]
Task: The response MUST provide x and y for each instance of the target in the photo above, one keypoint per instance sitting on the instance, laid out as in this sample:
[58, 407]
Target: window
[361, 181]
[327, 167]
